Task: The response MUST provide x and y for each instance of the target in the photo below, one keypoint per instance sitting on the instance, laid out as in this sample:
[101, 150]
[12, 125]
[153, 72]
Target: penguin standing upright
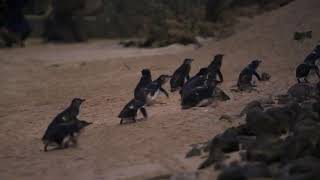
[303, 71]
[130, 111]
[145, 79]
[245, 77]
[153, 89]
[181, 75]
[215, 66]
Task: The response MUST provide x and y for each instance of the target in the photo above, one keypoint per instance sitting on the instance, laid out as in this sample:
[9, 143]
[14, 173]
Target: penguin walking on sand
[181, 75]
[245, 77]
[64, 125]
[303, 71]
[69, 114]
[145, 79]
[201, 95]
[130, 111]
[153, 89]
[215, 66]
[62, 134]
[197, 80]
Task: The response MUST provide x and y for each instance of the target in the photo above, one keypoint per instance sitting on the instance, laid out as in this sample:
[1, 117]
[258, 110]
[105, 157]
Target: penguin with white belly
[153, 89]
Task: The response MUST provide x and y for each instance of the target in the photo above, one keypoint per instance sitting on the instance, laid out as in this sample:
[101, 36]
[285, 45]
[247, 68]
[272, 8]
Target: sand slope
[39, 81]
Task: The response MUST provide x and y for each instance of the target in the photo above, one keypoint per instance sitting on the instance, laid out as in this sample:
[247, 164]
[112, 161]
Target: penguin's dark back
[312, 57]
[193, 83]
[128, 111]
[183, 69]
[144, 81]
[154, 85]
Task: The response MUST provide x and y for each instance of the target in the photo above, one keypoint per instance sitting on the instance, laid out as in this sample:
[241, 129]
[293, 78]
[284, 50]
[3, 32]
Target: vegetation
[164, 22]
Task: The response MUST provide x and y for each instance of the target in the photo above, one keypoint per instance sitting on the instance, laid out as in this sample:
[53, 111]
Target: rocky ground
[40, 80]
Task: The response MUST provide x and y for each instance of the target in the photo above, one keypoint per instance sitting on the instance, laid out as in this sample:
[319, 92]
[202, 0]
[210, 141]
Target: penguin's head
[203, 71]
[216, 62]
[146, 72]
[255, 64]
[77, 101]
[188, 61]
[164, 78]
[218, 57]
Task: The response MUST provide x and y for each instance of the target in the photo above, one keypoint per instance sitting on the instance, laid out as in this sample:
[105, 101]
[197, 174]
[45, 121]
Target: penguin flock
[199, 90]
[196, 91]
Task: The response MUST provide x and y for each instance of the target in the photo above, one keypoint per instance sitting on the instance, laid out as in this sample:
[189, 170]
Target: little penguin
[215, 66]
[245, 77]
[130, 111]
[196, 80]
[145, 79]
[69, 114]
[57, 135]
[152, 90]
[181, 75]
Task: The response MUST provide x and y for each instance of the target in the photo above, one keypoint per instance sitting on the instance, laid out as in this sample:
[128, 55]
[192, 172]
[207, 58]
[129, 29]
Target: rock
[185, 176]
[232, 173]
[227, 117]
[261, 123]
[226, 142]
[195, 151]
[237, 172]
[306, 168]
[283, 99]
[275, 121]
[303, 91]
[297, 147]
[301, 36]
[215, 155]
[265, 76]
[253, 105]
[266, 149]
[285, 116]
[266, 100]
